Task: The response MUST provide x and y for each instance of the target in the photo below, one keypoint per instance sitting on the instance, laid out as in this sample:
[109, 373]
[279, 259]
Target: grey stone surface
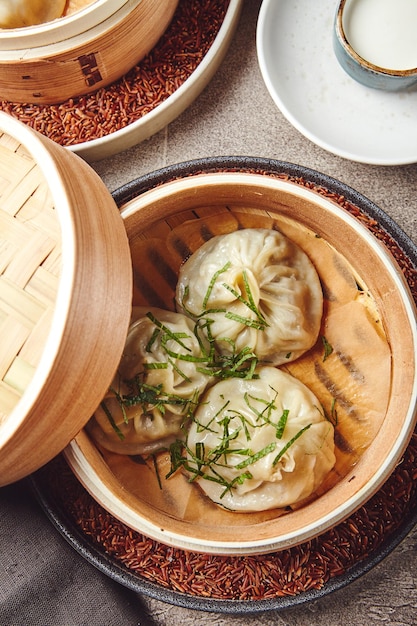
[43, 581]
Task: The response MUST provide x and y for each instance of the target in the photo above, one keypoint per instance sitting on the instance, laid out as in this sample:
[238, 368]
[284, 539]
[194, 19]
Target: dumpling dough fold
[261, 291]
[157, 385]
[237, 453]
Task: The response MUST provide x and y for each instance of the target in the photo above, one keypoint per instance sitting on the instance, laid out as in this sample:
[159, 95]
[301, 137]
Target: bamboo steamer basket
[65, 296]
[369, 319]
[80, 52]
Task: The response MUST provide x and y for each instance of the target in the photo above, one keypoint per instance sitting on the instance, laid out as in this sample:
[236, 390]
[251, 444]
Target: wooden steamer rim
[388, 286]
[86, 55]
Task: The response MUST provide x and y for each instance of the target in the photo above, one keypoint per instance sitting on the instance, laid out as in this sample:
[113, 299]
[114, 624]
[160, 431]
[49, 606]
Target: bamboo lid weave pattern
[30, 266]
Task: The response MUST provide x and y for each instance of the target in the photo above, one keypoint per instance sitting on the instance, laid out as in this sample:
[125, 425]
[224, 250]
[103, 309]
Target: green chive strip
[289, 444]
[155, 466]
[175, 336]
[282, 422]
[265, 414]
[111, 420]
[239, 480]
[156, 366]
[152, 340]
[246, 321]
[213, 282]
[119, 399]
[333, 411]
[328, 348]
[258, 455]
[179, 356]
[250, 302]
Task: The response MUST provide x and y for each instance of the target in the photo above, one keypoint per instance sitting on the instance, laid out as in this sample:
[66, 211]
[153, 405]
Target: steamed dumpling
[261, 291]
[21, 13]
[243, 454]
[157, 384]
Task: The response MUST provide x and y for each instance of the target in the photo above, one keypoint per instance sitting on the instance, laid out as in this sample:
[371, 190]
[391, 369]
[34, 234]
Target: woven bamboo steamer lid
[65, 296]
[80, 52]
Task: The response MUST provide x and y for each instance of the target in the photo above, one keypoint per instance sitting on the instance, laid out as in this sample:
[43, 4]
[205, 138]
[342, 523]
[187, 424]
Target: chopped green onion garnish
[289, 444]
[328, 348]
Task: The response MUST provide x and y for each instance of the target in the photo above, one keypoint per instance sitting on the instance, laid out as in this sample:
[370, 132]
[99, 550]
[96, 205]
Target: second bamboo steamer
[81, 51]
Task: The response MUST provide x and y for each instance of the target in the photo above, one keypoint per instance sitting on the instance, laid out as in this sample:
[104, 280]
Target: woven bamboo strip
[22, 185]
[8, 400]
[30, 264]
[9, 142]
[28, 259]
[39, 210]
[43, 286]
[7, 250]
[19, 375]
[17, 303]
[52, 263]
[33, 348]
[13, 337]
[12, 230]
[13, 145]
[8, 179]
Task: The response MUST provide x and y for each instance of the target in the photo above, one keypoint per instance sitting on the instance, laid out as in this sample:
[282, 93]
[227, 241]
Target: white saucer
[303, 77]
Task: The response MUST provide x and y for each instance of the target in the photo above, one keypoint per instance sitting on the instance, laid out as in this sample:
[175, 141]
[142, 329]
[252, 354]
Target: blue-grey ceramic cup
[362, 70]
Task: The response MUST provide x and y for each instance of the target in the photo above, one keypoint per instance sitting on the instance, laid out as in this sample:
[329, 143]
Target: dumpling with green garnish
[160, 378]
[259, 444]
[256, 290]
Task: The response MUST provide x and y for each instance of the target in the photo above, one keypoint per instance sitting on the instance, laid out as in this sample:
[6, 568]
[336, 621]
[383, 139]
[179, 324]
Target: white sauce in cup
[383, 32]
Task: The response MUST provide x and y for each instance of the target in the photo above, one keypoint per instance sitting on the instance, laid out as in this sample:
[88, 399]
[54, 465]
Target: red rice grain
[174, 59]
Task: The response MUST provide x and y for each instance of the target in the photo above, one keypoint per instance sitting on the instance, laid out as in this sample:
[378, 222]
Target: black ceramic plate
[52, 484]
